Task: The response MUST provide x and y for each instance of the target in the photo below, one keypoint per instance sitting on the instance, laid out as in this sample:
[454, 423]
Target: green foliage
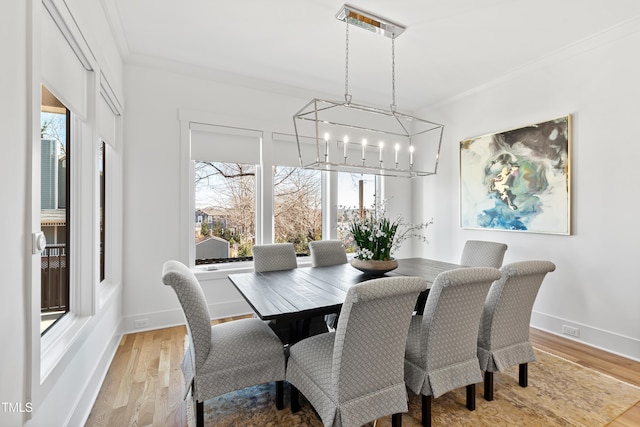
[204, 228]
[244, 249]
[374, 237]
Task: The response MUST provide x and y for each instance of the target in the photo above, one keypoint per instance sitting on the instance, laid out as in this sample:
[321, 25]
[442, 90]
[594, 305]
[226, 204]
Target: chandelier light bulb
[346, 141]
[326, 147]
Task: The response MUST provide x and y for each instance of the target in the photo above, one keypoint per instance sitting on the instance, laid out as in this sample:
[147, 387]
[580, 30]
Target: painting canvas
[518, 180]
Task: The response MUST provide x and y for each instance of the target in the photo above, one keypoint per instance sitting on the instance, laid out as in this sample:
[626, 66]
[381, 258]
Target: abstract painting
[518, 180]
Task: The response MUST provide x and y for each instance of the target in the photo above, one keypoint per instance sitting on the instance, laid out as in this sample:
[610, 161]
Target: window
[55, 120]
[356, 195]
[297, 206]
[225, 211]
[246, 189]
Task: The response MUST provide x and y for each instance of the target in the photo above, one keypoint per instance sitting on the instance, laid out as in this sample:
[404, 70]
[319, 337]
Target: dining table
[302, 293]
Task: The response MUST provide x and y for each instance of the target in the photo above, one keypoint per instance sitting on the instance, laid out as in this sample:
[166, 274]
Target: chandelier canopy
[349, 137]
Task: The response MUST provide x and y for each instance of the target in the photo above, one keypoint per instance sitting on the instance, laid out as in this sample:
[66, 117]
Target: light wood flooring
[144, 384]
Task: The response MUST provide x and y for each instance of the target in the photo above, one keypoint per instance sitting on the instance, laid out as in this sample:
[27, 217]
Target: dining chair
[355, 375]
[225, 357]
[480, 253]
[503, 337]
[326, 253]
[441, 352]
[274, 257]
[277, 257]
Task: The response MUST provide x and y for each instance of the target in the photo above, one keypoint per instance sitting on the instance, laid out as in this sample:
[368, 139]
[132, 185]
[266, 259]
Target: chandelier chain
[393, 72]
[347, 97]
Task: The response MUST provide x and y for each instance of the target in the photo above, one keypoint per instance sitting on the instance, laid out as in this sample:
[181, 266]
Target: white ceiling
[448, 48]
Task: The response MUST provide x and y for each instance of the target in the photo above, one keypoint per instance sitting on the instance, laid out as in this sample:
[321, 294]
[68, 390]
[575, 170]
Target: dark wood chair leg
[426, 410]
[199, 414]
[279, 394]
[471, 397]
[488, 385]
[523, 374]
[396, 420]
[295, 399]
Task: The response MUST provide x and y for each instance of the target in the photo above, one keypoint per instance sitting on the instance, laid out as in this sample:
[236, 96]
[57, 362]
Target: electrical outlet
[140, 323]
[570, 330]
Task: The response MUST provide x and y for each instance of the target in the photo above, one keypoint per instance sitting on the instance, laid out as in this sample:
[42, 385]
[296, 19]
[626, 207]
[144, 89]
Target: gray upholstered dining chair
[480, 253]
[277, 257]
[503, 337]
[355, 375]
[327, 252]
[225, 357]
[274, 257]
[441, 353]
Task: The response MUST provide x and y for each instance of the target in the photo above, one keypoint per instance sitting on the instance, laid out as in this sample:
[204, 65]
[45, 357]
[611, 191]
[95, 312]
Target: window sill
[222, 271]
[55, 345]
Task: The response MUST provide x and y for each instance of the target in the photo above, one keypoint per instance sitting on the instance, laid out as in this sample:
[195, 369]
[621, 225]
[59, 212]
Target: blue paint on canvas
[517, 180]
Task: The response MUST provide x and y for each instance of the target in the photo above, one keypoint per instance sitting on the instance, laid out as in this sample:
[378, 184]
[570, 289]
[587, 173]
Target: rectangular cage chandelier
[348, 137]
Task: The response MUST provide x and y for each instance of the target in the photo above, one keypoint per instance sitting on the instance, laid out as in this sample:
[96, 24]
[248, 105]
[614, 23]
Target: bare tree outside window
[225, 201]
[297, 206]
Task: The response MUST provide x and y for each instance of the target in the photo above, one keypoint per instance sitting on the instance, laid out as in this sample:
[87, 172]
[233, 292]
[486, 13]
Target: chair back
[327, 252]
[274, 257]
[368, 353]
[507, 311]
[194, 307]
[479, 253]
[449, 327]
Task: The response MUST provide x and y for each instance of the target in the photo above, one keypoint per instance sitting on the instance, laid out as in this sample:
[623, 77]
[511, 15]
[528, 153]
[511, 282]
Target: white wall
[13, 216]
[65, 395]
[152, 176]
[595, 286]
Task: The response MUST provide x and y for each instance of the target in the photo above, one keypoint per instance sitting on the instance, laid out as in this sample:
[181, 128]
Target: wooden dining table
[306, 292]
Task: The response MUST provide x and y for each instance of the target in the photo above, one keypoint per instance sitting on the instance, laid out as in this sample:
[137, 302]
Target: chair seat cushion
[309, 368]
[437, 381]
[314, 356]
[235, 346]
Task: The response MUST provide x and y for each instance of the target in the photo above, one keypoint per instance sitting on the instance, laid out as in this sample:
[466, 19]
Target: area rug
[560, 393]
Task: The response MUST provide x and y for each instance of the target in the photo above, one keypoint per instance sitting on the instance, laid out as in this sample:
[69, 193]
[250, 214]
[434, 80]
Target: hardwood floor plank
[126, 378]
[132, 413]
[161, 407]
[631, 418]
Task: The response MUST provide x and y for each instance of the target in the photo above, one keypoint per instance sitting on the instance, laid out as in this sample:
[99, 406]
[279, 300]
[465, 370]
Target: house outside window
[55, 171]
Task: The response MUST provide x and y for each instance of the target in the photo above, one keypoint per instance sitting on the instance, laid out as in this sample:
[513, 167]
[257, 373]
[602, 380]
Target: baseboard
[165, 319]
[604, 340]
[85, 404]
